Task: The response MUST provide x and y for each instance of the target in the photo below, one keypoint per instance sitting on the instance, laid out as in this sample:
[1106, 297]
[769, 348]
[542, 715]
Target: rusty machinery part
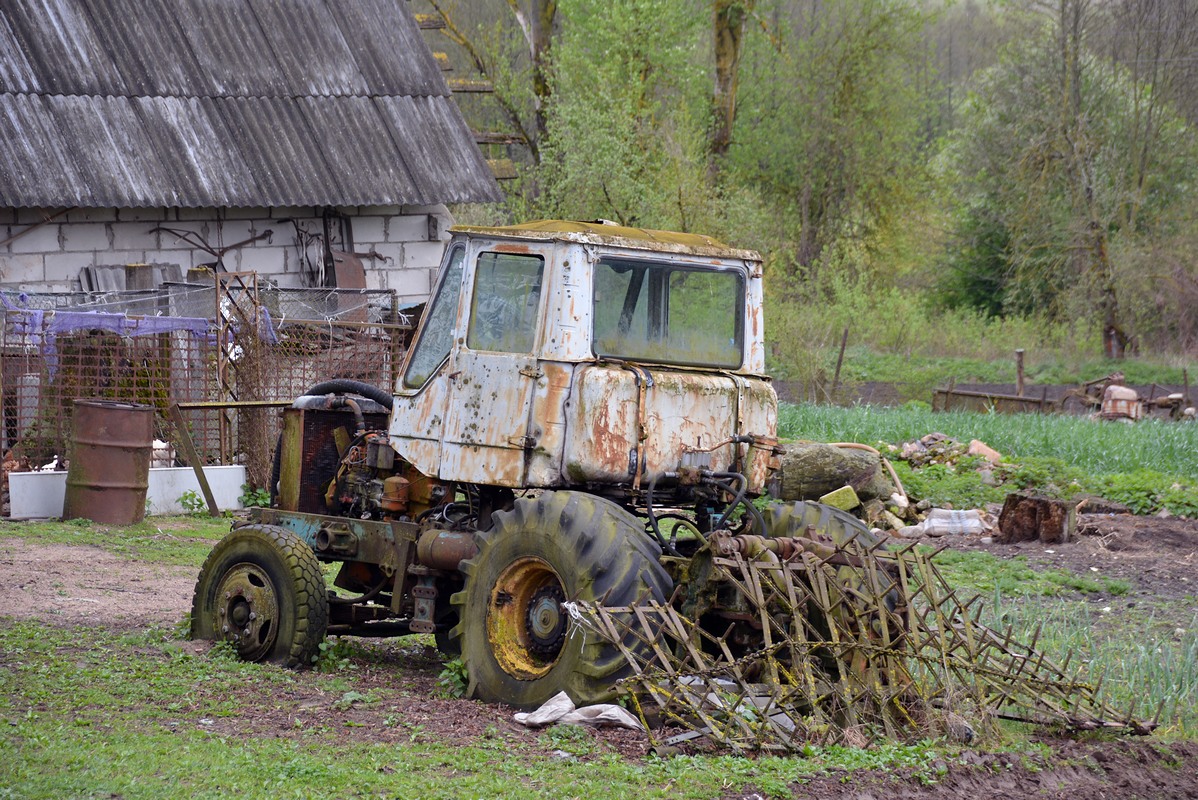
[316, 397]
[713, 511]
[261, 589]
[833, 661]
[516, 643]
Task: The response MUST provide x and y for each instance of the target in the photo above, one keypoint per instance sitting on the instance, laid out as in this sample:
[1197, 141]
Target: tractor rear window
[668, 313]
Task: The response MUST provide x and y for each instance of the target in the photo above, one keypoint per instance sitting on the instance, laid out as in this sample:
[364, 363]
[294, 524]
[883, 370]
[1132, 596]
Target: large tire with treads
[261, 590]
[517, 643]
[784, 520]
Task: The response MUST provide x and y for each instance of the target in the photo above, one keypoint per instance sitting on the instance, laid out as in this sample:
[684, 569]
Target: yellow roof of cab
[608, 233]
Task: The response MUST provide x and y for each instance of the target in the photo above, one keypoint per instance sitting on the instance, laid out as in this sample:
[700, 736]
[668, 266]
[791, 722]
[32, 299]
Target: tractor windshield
[669, 313]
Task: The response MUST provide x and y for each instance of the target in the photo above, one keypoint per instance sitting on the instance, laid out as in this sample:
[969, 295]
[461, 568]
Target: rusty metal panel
[417, 419]
[547, 425]
[680, 410]
[486, 422]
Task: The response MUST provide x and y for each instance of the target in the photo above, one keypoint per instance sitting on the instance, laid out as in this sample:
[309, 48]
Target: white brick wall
[64, 267]
[134, 236]
[39, 240]
[27, 267]
[369, 230]
[408, 229]
[86, 237]
[50, 255]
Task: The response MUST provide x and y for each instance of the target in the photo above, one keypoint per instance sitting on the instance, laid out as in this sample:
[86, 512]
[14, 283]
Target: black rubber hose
[346, 386]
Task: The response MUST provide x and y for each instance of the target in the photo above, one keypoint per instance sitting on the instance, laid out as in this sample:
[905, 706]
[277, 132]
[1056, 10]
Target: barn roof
[227, 103]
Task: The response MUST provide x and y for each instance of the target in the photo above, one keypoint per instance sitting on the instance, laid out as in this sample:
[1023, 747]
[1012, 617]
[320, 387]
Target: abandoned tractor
[583, 408]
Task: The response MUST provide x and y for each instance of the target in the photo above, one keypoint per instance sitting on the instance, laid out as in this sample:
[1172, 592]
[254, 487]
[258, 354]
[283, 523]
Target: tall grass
[1144, 661]
[1099, 448]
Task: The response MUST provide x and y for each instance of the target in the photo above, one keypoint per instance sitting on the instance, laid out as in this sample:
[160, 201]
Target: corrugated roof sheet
[197, 103]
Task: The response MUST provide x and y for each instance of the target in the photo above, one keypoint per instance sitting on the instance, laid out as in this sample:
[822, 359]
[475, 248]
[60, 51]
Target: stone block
[87, 237]
[65, 266]
[294, 212]
[244, 213]
[196, 215]
[437, 208]
[230, 232]
[411, 283]
[392, 257]
[150, 215]
[408, 229]
[264, 260]
[29, 267]
[843, 498]
[423, 254]
[368, 231]
[196, 258]
[90, 215]
[376, 279]
[123, 257]
[378, 211]
[43, 239]
[32, 216]
[134, 236]
[438, 227]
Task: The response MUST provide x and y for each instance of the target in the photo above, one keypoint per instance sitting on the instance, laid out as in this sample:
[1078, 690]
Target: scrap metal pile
[823, 643]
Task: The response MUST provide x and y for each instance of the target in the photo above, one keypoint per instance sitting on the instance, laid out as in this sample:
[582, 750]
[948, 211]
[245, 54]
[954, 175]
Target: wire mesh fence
[169, 346]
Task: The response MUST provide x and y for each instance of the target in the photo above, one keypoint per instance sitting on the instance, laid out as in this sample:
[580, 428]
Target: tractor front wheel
[262, 591]
[518, 642]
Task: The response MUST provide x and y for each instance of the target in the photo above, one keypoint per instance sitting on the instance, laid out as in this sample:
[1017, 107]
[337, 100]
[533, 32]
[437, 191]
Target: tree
[828, 126]
[627, 115]
[1057, 149]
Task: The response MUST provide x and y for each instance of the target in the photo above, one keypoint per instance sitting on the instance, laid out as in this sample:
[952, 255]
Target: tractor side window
[667, 313]
[507, 296]
[436, 337]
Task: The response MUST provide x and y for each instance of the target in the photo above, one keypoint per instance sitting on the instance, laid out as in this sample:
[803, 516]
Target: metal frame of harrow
[855, 643]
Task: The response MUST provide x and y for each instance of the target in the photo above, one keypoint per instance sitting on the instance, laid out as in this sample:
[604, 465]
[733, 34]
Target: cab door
[493, 369]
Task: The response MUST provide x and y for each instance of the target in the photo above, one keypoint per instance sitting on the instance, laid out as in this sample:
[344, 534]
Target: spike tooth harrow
[824, 643]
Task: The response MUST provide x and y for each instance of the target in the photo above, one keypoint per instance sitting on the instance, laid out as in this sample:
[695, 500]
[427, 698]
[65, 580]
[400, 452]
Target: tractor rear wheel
[262, 591]
[784, 520]
[518, 643]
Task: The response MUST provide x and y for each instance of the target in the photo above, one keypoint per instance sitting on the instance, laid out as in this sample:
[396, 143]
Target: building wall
[407, 243]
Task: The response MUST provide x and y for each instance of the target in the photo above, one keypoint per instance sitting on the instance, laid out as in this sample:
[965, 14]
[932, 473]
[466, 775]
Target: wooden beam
[430, 22]
[463, 85]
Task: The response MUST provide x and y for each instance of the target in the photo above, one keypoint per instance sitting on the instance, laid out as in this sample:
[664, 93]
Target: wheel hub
[526, 627]
[247, 611]
[546, 624]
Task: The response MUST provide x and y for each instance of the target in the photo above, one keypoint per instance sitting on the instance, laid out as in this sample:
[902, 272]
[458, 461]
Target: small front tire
[261, 590]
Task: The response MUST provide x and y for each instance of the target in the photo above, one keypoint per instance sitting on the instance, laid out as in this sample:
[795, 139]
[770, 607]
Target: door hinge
[531, 372]
[523, 442]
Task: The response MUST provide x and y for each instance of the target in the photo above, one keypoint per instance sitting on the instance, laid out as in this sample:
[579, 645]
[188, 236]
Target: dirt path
[72, 584]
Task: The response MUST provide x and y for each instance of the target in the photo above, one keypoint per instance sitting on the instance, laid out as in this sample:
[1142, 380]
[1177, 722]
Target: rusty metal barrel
[110, 462]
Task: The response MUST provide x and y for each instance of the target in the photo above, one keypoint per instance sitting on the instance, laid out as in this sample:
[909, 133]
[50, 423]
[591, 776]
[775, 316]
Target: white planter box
[39, 495]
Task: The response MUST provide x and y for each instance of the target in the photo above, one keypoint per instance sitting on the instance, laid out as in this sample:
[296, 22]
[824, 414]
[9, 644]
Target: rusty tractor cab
[583, 406]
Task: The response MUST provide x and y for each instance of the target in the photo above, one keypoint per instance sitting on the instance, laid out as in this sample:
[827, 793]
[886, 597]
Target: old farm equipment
[556, 485]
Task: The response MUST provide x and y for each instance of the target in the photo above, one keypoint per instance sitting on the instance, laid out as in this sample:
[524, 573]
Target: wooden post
[1019, 372]
[844, 340]
[189, 451]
